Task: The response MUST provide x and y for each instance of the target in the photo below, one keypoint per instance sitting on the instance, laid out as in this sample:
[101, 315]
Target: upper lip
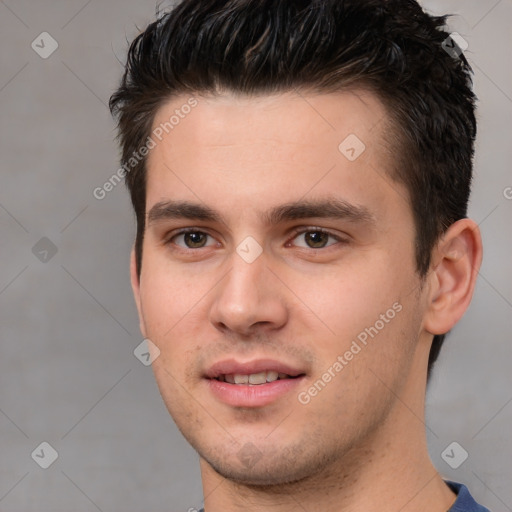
[233, 367]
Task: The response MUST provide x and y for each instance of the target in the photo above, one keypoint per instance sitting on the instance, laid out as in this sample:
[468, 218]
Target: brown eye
[192, 240]
[315, 239]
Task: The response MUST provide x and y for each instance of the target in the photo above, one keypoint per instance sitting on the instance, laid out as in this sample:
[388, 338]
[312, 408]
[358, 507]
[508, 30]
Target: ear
[456, 261]
[136, 291]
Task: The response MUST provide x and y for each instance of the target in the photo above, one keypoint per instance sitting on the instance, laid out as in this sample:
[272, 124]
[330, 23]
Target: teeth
[258, 378]
[272, 376]
[241, 379]
[253, 378]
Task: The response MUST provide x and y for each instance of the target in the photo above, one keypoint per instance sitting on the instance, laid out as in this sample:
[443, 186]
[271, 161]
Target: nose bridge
[244, 286]
[246, 296]
[245, 280]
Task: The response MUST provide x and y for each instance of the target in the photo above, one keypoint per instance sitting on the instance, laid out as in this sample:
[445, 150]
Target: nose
[249, 298]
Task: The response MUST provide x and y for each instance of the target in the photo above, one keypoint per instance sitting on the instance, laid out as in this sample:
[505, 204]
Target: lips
[237, 372]
[254, 379]
[252, 384]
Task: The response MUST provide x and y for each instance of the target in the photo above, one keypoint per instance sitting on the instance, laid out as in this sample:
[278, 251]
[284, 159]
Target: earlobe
[457, 257]
[134, 278]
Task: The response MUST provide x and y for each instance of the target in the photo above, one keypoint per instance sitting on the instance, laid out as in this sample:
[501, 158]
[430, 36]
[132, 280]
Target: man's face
[299, 260]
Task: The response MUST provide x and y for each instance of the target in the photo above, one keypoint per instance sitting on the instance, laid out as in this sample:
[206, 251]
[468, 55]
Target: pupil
[317, 239]
[194, 239]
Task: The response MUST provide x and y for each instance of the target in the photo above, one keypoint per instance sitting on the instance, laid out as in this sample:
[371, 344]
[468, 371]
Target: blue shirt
[463, 503]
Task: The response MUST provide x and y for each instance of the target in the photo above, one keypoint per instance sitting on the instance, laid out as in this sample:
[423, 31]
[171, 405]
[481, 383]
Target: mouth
[256, 372]
[255, 379]
[254, 383]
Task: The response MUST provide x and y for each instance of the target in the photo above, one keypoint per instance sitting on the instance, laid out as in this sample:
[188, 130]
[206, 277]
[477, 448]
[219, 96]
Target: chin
[273, 468]
[262, 477]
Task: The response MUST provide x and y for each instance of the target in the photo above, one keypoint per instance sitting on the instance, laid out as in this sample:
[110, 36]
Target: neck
[389, 471]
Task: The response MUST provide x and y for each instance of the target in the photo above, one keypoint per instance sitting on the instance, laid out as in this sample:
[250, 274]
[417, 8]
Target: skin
[360, 443]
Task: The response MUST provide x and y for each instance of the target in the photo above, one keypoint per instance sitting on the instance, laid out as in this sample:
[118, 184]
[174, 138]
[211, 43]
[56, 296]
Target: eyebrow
[329, 208]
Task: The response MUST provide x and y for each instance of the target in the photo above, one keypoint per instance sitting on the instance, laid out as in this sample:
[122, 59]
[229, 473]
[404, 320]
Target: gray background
[68, 326]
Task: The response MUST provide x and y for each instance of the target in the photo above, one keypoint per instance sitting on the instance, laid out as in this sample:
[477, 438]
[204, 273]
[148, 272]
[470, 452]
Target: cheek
[369, 317]
[174, 316]
[169, 297]
[366, 362]
[354, 296]
[175, 306]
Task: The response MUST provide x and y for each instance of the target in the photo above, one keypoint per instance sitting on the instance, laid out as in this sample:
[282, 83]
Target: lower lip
[257, 395]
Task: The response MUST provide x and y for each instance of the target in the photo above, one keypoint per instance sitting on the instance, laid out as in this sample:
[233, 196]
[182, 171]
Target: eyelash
[295, 234]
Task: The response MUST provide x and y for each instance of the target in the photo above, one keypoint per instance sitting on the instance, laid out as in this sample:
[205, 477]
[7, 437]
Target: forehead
[271, 149]
[287, 117]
